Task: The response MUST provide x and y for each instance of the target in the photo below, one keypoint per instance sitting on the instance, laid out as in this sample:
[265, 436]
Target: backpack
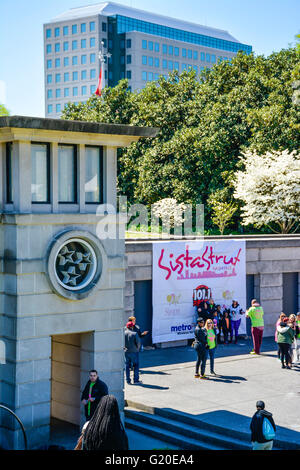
[268, 430]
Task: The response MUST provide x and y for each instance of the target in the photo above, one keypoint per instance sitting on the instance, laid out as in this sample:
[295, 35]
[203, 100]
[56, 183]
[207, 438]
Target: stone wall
[266, 258]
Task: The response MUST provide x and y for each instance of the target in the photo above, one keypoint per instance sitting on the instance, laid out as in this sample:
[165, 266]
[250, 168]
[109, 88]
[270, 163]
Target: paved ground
[168, 382]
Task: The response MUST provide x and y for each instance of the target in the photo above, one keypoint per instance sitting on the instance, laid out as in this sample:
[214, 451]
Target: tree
[3, 110]
[222, 211]
[269, 187]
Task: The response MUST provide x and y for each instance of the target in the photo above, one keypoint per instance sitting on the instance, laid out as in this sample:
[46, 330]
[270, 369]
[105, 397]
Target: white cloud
[2, 92]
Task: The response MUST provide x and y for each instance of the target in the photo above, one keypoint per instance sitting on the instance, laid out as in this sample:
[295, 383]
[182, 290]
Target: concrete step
[187, 434]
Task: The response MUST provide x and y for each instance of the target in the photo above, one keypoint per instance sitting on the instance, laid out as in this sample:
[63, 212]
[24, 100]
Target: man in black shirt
[258, 439]
[94, 390]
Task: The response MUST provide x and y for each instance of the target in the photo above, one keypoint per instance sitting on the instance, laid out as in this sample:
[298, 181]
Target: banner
[185, 273]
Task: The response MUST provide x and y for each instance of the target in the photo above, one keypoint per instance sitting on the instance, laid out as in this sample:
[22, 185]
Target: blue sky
[268, 25]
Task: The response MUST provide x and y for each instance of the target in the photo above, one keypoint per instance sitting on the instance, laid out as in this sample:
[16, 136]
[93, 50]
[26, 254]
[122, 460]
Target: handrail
[19, 421]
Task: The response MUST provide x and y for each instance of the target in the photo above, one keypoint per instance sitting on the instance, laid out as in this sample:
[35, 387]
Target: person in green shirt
[256, 315]
[212, 343]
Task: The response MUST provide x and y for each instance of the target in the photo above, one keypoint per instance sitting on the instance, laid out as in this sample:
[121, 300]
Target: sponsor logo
[201, 294]
[181, 329]
[173, 299]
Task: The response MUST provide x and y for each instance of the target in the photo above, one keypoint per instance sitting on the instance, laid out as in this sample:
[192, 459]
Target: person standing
[285, 338]
[262, 428]
[201, 346]
[211, 307]
[132, 348]
[256, 314]
[226, 326]
[137, 328]
[236, 313]
[297, 339]
[212, 344]
[94, 390]
[282, 316]
[293, 348]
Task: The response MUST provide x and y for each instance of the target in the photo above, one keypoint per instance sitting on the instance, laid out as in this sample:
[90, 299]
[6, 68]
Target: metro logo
[182, 327]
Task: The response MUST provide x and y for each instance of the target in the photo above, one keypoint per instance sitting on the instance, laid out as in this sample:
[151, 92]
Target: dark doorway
[143, 308]
[249, 297]
[290, 293]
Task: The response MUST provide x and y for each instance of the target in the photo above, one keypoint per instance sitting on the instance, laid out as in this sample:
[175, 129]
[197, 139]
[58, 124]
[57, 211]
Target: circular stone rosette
[75, 263]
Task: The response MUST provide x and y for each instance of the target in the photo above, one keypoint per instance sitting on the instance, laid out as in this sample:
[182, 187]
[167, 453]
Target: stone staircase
[188, 432]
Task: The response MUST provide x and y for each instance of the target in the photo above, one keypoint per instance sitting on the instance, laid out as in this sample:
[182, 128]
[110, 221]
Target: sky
[267, 25]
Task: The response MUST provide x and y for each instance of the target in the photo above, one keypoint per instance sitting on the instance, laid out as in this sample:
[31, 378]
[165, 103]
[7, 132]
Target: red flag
[99, 89]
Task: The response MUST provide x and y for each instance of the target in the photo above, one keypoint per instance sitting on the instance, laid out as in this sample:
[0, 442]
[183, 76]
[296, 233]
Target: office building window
[83, 43]
[49, 78]
[93, 175]
[176, 51]
[156, 62]
[156, 47]
[170, 65]
[110, 28]
[75, 76]
[74, 60]
[66, 46]
[144, 76]
[156, 76]
[213, 58]
[207, 57]
[150, 76]
[75, 91]
[93, 89]
[49, 64]
[150, 61]
[65, 30]
[195, 68]
[93, 73]
[57, 63]
[92, 26]
[183, 67]
[150, 45]
[195, 55]
[66, 61]
[57, 93]
[49, 94]
[57, 47]
[48, 33]
[66, 76]
[83, 59]
[74, 28]
[40, 172]
[190, 54]
[202, 56]
[74, 45]
[176, 65]
[128, 74]
[144, 60]
[56, 32]
[92, 42]
[225, 58]
[128, 59]
[67, 174]
[83, 75]
[104, 27]
[164, 63]
[171, 50]
[58, 108]
[84, 90]
[50, 108]
[92, 58]
[144, 44]
[110, 44]
[165, 49]
[183, 52]
[83, 28]
[122, 44]
[49, 48]
[128, 43]
[57, 78]
[122, 60]
[66, 92]
[104, 42]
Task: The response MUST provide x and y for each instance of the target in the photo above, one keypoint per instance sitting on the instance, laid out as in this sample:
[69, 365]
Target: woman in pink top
[281, 318]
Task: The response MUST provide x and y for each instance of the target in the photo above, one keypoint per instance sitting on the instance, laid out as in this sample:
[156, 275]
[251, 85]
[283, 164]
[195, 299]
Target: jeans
[201, 359]
[285, 356]
[211, 354]
[132, 358]
[235, 327]
[262, 445]
[257, 335]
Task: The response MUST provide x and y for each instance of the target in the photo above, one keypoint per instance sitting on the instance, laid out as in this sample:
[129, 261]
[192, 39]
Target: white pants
[296, 350]
[262, 445]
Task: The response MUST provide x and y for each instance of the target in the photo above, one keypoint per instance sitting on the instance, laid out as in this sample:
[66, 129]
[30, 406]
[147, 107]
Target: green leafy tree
[222, 210]
[3, 110]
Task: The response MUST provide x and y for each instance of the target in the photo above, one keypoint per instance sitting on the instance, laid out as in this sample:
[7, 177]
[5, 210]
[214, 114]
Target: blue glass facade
[126, 24]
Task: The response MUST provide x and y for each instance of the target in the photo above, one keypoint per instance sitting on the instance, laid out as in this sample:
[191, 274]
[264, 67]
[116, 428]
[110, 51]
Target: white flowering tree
[269, 187]
[169, 211]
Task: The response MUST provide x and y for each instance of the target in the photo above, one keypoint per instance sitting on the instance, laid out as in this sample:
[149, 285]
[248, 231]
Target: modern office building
[142, 45]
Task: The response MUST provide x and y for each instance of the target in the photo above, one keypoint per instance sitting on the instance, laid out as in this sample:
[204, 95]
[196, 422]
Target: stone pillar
[111, 176]
[271, 299]
[2, 182]
[21, 176]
